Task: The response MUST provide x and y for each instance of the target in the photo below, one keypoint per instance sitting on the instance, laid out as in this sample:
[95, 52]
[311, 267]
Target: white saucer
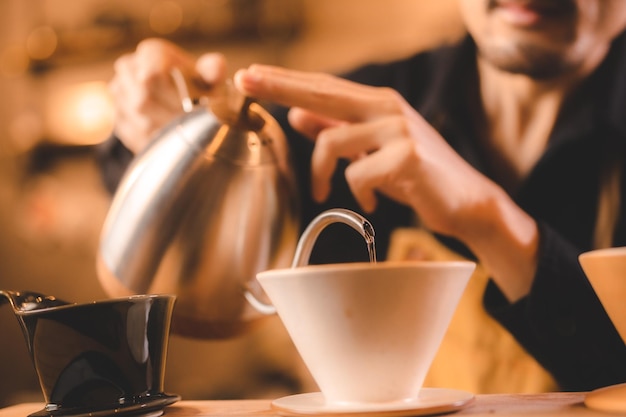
[429, 401]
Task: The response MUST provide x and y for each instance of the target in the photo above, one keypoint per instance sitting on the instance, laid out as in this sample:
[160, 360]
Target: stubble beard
[530, 60]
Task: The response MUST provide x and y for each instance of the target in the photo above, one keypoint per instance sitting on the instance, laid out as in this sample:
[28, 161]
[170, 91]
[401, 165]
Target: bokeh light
[165, 17]
[13, 61]
[41, 42]
[81, 114]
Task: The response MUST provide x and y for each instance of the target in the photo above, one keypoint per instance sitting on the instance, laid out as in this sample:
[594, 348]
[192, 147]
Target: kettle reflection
[208, 204]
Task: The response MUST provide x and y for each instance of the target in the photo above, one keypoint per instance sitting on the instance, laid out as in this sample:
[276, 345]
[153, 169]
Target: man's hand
[394, 151]
[144, 90]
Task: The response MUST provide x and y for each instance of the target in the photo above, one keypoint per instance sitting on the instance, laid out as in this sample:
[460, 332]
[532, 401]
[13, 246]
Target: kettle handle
[307, 241]
[183, 92]
[224, 99]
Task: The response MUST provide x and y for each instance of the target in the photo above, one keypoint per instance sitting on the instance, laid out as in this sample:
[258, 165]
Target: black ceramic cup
[102, 358]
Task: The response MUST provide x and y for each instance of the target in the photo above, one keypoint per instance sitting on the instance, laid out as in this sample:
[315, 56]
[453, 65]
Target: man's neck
[520, 113]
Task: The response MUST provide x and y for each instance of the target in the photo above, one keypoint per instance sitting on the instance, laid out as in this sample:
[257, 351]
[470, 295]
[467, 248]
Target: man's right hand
[143, 89]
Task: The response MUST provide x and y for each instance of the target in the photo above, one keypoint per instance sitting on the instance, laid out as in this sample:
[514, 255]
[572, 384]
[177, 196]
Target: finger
[349, 141]
[136, 84]
[156, 60]
[138, 113]
[321, 93]
[376, 173]
[140, 96]
[212, 69]
[308, 123]
[163, 55]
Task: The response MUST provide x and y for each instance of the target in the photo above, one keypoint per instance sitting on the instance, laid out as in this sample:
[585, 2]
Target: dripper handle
[307, 241]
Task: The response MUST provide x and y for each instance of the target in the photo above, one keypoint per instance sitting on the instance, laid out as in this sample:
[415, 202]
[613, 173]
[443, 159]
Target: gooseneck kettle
[208, 204]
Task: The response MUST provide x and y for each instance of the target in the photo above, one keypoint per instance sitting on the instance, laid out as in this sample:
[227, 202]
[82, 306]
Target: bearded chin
[534, 62]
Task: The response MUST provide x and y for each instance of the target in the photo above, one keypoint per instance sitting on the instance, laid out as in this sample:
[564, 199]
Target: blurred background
[56, 57]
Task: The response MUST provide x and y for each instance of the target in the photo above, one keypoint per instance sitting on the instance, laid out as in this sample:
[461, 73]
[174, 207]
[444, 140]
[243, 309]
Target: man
[508, 147]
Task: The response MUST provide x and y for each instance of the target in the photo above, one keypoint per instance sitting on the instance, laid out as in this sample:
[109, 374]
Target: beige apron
[477, 354]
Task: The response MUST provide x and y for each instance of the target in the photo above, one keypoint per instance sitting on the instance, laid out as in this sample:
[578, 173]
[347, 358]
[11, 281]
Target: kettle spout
[313, 230]
[310, 235]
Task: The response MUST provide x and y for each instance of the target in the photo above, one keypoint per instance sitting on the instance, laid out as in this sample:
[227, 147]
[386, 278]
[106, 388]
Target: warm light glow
[81, 114]
[13, 61]
[166, 17]
[41, 42]
[25, 129]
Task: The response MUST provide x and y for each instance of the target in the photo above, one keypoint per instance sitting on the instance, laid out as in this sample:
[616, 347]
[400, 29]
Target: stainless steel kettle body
[211, 202]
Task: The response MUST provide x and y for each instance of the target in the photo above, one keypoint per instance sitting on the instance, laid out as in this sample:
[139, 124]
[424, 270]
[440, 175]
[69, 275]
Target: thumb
[212, 70]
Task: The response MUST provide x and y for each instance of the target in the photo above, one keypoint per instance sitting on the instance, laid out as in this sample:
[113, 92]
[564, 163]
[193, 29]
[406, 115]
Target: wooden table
[545, 405]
